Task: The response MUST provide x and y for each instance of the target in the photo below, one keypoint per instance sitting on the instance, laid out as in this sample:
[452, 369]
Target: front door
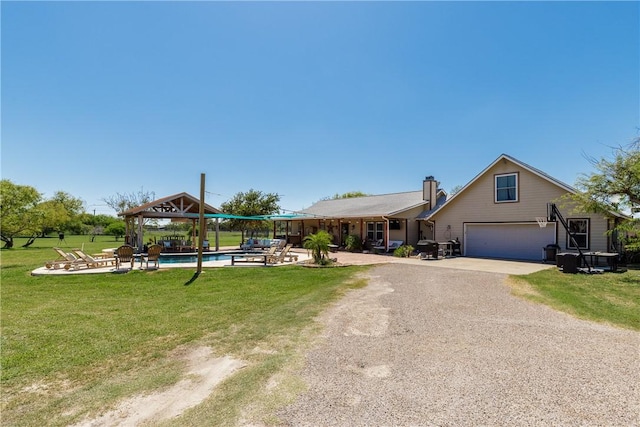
[345, 233]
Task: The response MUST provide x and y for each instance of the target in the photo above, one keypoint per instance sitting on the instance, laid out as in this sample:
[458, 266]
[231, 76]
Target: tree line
[24, 212]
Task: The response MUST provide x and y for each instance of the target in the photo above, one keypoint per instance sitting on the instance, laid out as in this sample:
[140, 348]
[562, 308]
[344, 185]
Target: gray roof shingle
[377, 205]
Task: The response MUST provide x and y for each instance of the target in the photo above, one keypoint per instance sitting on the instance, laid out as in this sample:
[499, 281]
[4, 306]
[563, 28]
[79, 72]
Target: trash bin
[559, 260]
[570, 263]
[550, 252]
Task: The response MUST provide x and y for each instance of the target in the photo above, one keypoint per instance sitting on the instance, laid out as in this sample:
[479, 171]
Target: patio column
[217, 234]
[193, 232]
[406, 231]
[140, 232]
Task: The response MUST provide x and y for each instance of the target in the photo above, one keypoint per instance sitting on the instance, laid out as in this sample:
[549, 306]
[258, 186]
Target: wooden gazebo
[182, 206]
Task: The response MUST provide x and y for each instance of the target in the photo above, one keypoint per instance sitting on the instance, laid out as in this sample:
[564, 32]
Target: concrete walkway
[461, 263]
[348, 258]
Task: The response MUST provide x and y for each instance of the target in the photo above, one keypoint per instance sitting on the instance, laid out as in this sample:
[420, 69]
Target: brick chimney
[429, 191]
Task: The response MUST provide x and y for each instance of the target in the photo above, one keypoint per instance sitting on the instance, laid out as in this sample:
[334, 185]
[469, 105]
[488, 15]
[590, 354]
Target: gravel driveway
[447, 347]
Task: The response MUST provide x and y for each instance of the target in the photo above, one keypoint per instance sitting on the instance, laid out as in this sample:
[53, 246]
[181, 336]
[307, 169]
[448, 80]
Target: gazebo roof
[182, 205]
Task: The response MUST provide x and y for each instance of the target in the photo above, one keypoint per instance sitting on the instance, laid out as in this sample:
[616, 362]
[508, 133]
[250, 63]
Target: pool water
[193, 258]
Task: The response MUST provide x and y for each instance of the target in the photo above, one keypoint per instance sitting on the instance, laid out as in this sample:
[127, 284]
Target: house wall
[410, 228]
[476, 204]
[408, 233]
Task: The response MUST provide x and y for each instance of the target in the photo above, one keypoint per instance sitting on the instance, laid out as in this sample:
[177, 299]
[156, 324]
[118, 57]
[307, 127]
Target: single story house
[385, 217]
[494, 215]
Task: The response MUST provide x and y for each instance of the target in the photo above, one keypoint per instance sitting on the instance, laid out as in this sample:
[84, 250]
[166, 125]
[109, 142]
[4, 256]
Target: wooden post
[201, 223]
[140, 233]
[217, 234]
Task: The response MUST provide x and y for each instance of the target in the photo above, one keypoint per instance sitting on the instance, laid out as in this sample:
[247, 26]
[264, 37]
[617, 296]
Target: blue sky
[309, 99]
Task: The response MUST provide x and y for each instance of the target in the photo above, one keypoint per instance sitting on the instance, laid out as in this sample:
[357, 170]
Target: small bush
[325, 261]
[353, 243]
[403, 251]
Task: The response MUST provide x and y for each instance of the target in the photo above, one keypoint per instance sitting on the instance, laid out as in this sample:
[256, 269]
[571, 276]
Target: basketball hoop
[542, 221]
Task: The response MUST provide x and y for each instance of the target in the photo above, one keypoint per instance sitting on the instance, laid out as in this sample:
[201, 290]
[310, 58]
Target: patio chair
[153, 256]
[88, 261]
[63, 259]
[271, 252]
[124, 254]
[282, 256]
[249, 244]
[279, 244]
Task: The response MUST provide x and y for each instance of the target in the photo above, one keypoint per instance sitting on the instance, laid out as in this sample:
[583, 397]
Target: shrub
[318, 244]
[353, 243]
[403, 251]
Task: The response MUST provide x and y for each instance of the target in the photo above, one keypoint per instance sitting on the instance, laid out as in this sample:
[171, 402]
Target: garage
[508, 240]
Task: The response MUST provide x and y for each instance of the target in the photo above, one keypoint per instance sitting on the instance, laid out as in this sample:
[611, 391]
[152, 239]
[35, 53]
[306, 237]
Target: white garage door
[511, 241]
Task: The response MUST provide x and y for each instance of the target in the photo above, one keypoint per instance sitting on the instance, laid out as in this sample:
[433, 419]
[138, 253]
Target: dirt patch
[203, 373]
[521, 288]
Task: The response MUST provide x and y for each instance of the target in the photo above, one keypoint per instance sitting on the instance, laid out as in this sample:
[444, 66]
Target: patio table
[611, 259]
[249, 258]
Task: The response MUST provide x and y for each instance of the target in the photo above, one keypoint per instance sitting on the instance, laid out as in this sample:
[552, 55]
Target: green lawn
[74, 345]
[610, 297]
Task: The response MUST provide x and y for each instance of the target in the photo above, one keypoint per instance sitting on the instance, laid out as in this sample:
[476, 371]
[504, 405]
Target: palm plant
[318, 244]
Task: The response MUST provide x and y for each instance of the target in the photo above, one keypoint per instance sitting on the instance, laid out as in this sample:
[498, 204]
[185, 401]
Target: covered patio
[178, 207]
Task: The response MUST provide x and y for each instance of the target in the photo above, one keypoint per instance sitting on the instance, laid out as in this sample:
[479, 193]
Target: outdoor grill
[428, 247]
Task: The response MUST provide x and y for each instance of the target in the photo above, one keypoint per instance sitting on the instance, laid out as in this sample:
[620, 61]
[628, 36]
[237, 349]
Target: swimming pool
[193, 258]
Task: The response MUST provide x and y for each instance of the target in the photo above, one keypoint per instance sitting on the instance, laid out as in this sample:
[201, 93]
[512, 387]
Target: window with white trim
[580, 230]
[506, 186]
[375, 231]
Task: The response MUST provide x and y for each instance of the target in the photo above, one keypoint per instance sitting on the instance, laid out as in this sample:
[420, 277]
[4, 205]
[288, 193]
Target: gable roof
[358, 207]
[175, 206]
[535, 171]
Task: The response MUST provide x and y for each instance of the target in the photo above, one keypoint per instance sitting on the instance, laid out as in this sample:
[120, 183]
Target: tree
[116, 228]
[19, 213]
[456, 189]
[614, 187]
[61, 213]
[318, 244]
[96, 220]
[251, 203]
[122, 202]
